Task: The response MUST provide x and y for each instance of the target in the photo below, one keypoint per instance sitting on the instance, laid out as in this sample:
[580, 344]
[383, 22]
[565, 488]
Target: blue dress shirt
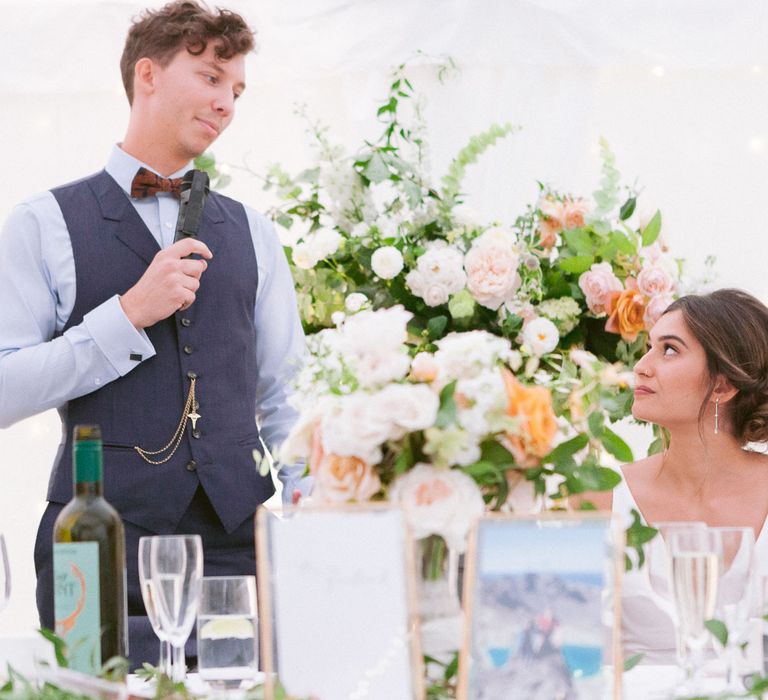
[37, 295]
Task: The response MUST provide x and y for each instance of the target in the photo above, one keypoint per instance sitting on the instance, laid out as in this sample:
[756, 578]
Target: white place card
[336, 603]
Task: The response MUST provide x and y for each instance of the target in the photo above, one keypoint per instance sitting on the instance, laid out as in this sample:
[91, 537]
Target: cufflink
[135, 357]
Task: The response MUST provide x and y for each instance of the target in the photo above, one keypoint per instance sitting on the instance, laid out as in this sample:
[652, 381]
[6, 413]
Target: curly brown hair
[732, 327]
[184, 24]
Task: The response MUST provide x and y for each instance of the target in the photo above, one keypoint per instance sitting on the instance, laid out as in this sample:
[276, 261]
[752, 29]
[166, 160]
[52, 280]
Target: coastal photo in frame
[541, 597]
[337, 603]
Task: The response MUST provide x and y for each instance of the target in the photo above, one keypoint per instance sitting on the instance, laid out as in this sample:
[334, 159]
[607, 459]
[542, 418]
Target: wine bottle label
[77, 604]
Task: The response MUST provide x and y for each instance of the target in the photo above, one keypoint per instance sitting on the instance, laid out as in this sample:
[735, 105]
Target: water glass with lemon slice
[227, 654]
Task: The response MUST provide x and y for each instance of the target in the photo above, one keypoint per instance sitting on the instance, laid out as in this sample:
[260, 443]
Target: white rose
[324, 243]
[355, 301]
[304, 257]
[497, 236]
[387, 262]
[354, 428]
[540, 336]
[337, 318]
[411, 407]
[443, 502]
[359, 230]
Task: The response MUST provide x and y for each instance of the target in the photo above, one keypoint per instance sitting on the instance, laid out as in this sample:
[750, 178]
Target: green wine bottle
[89, 564]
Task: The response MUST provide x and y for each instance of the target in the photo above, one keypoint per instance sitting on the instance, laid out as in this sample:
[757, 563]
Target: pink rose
[655, 280]
[340, 479]
[598, 284]
[492, 275]
[655, 308]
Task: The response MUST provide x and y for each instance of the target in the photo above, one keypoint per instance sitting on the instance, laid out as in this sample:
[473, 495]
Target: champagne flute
[176, 569]
[695, 568]
[736, 595]
[149, 595]
[658, 572]
[5, 574]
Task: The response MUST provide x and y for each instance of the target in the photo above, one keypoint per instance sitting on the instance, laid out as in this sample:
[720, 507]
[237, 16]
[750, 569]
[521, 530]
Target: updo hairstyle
[732, 327]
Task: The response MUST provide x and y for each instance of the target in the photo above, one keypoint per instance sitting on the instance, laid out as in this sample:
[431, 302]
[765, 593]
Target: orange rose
[626, 312]
[533, 406]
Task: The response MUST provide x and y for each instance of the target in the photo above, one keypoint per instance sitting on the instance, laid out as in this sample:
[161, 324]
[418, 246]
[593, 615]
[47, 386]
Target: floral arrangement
[447, 348]
[457, 365]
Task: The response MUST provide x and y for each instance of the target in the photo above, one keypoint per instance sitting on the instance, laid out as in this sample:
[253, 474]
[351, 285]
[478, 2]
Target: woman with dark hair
[704, 379]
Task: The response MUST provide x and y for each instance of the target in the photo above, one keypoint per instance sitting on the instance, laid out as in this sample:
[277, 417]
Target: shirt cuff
[118, 339]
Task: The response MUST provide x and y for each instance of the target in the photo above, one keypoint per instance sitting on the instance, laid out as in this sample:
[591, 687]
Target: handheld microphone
[194, 192]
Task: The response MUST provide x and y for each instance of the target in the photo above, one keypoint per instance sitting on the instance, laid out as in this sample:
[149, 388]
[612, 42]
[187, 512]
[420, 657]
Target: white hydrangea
[482, 408]
[466, 355]
[387, 262]
[439, 273]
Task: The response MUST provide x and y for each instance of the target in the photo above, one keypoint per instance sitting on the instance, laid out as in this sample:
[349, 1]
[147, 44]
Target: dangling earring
[717, 416]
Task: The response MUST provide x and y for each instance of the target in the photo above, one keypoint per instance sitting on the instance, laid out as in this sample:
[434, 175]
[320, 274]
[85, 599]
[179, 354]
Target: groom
[176, 357]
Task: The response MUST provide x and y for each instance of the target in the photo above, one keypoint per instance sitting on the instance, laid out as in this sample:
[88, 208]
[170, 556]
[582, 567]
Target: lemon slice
[227, 628]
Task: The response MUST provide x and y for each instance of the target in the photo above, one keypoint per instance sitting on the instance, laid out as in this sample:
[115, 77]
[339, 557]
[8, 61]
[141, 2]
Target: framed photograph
[542, 599]
[337, 603]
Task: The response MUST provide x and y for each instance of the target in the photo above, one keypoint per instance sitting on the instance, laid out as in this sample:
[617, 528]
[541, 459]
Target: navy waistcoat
[214, 340]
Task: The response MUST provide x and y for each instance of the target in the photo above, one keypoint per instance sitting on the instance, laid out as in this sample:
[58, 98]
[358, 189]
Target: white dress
[646, 601]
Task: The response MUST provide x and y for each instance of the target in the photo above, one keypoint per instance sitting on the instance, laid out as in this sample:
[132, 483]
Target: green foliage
[652, 229]
[637, 535]
[443, 681]
[632, 661]
[207, 163]
[607, 197]
[477, 145]
[719, 630]
[447, 413]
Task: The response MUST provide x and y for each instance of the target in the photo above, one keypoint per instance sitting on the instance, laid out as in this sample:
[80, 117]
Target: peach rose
[424, 367]
[492, 275]
[655, 279]
[340, 479]
[551, 221]
[626, 314]
[598, 284]
[538, 424]
[574, 211]
[655, 308]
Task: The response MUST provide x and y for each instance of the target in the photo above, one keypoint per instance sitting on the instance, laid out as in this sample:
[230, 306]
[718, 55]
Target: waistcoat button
[191, 465]
[188, 349]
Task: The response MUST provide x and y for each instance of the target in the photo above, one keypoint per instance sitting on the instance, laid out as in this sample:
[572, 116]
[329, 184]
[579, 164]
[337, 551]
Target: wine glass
[5, 574]
[176, 569]
[695, 555]
[149, 594]
[736, 596]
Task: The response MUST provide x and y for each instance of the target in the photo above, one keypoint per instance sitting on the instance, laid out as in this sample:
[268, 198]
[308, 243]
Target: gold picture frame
[337, 602]
[516, 563]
